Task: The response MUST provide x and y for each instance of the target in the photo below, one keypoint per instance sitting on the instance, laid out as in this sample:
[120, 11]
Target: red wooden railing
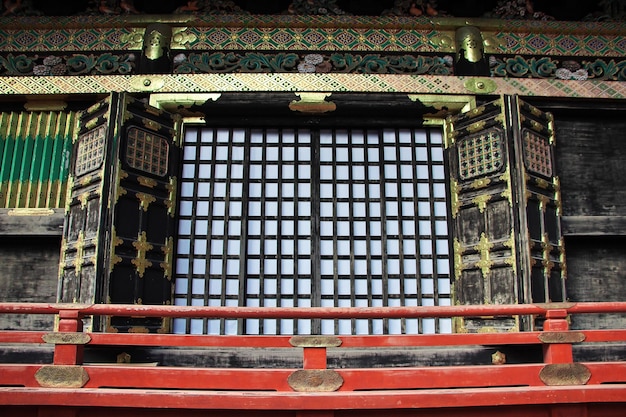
[556, 380]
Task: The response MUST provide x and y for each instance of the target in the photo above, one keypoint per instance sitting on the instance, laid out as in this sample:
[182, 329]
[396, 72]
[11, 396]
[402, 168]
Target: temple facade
[312, 207]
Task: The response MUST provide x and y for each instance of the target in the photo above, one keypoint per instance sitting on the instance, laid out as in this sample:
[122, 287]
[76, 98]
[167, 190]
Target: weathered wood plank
[590, 156]
[596, 272]
[31, 222]
[28, 273]
[594, 225]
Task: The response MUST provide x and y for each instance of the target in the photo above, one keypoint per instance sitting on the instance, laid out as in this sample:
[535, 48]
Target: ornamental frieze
[283, 62]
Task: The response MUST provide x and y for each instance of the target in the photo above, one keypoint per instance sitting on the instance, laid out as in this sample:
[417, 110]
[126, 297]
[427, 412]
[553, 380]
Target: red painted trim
[370, 400]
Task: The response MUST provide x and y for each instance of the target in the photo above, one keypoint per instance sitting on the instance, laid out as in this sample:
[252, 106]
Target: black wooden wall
[591, 160]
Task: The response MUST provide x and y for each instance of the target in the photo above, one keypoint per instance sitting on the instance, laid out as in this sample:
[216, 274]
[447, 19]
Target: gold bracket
[455, 203]
[80, 247]
[312, 103]
[458, 259]
[168, 250]
[142, 247]
[484, 247]
[115, 242]
[481, 201]
[146, 182]
[170, 202]
[145, 200]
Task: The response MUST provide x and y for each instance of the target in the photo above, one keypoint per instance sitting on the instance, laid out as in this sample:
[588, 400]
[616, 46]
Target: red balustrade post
[70, 321]
[556, 321]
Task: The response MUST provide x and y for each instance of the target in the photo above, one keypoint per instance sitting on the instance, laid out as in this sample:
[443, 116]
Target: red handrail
[313, 312]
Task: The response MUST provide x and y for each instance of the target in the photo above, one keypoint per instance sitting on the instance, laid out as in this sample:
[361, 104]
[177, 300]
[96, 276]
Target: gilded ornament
[134, 39]
[146, 83]
[79, 245]
[156, 41]
[469, 44]
[142, 247]
[476, 127]
[455, 203]
[547, 248]
[145, 200]
[92, 123]
[147, 182]
[312, 103]
[168, 250]
[443, 42]
[484, 249]
[476, 112]
[492, 44]
[481, 201]
[449, 132]
[83, 197]
[498, 358]
[458, 259]
[170, 202]
[480, 183]
[481, 85]
[541, 183]
[150, 124]
[181, 38]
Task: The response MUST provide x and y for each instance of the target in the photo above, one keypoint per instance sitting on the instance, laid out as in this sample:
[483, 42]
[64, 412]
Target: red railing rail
[556, 369]
[313, 312]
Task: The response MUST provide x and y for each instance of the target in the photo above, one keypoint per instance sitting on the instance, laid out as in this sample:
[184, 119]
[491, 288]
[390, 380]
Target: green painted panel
[35, 149]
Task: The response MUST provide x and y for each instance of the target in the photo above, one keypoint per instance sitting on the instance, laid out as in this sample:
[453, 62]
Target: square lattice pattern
[537, 153]
[303, 217]
[147, 152]
[90, 152]
[480, 154]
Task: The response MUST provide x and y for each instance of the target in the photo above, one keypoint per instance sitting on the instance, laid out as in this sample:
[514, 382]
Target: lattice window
[537, 154]
[90, 152]
[147, 152]
[301, 217]
[481, 154]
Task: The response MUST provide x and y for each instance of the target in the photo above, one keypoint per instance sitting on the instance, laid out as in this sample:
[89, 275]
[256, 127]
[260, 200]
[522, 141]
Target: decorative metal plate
[561, 337]
[315, 341]
[147, 152]
[481, 154]
[62, 376]
[314, 380]
[60, 338]
[565, 374]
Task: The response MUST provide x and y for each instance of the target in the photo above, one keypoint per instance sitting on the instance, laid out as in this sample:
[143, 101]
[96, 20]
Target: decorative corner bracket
[312, 103]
